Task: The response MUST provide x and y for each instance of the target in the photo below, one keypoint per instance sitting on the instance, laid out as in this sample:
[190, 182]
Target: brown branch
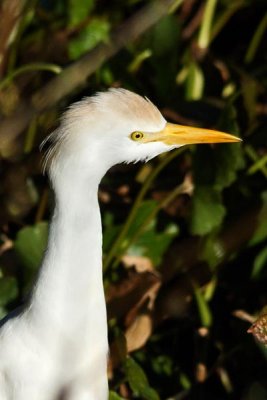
[10, 13]
[75, 76]
[194, 23]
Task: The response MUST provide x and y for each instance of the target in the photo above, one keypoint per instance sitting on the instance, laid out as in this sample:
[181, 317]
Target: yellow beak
[174, 134]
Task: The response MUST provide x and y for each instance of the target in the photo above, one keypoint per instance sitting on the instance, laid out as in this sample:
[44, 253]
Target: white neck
[68, 305]
[73, 258]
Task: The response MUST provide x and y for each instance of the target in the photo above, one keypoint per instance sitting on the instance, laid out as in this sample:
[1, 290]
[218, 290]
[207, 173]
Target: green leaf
[194, 82]
[138, 60]
[259, 263]
[78, 10]
[114, 396]
[164, 40]
[205, 313]
[109, 235]
[105, 75]
[162, 365]
[153, 244]
[229, 160]
[218, 166]
[145, 240]
[256, 40]
[212, 250]
[165, 36]
[142, 239]
[3, 312]
[207, 210]
[184, 381]
[145, 209]
[95, 32]
[8, 290]
[260, 233]
[250, 91]
[30, 244]
[138, 381]
[228, 119]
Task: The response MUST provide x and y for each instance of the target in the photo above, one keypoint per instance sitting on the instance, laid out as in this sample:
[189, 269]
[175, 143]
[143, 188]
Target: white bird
[57, 347]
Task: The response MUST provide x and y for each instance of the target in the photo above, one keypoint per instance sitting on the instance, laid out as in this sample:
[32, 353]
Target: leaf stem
[56, 69]
[205, 29]
[30, 136]
[118, 242]
[258, 163]
[256, 39]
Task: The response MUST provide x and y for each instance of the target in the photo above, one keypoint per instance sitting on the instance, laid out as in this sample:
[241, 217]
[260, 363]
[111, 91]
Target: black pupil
[137, 135]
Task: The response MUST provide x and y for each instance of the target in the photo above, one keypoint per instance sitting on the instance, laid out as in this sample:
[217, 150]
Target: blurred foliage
[93, 33]
[138, 381]
[30, 244]
[185, 266]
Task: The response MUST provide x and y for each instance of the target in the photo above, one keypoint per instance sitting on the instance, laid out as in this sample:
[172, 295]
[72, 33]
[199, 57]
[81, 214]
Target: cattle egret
[57, 347]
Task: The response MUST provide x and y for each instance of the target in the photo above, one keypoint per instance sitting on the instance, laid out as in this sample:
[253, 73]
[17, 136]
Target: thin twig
[10, 13]
[75, 76]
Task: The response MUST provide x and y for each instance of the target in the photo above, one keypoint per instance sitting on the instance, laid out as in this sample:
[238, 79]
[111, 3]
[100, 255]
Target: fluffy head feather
[102, 124]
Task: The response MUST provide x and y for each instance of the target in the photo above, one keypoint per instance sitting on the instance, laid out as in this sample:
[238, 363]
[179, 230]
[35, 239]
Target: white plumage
[57, 348]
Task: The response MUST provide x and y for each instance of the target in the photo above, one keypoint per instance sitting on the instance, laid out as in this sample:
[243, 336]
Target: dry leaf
[241, 314]
[140, 322]
[126, 294]
[140, 263]
[139, 332]
[259, 329]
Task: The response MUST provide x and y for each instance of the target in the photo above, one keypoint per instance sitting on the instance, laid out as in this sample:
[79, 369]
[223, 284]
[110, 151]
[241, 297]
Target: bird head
[119, 126]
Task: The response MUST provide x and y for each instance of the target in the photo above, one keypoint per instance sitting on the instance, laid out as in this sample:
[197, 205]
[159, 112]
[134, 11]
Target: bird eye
[137, 135]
